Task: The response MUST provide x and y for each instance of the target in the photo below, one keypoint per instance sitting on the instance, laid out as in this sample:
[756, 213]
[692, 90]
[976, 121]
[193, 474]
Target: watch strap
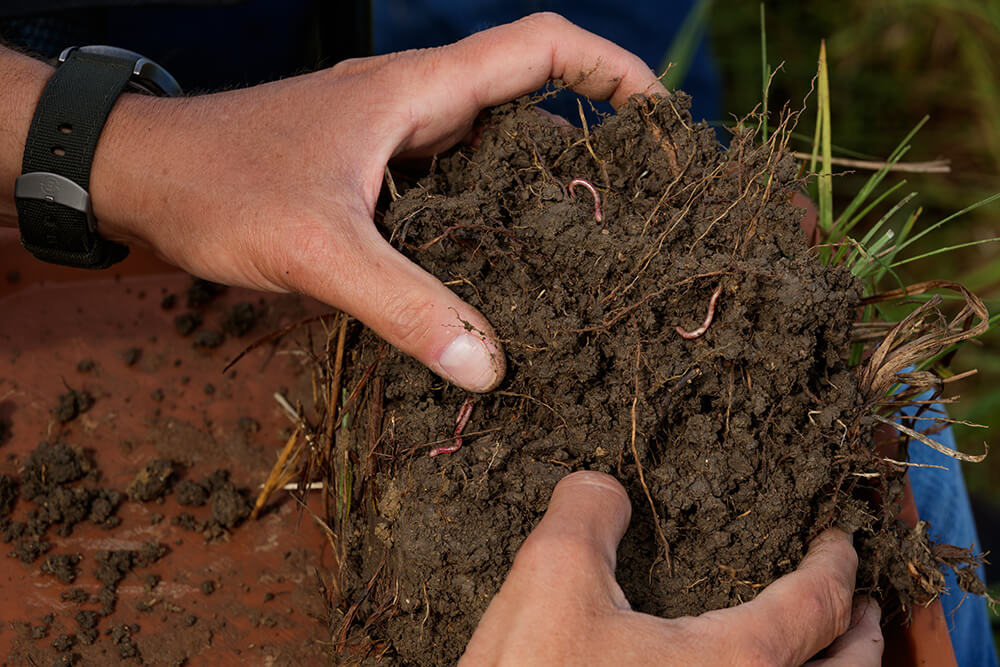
[59, 153]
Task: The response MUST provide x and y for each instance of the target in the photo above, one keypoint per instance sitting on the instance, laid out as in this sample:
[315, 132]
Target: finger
[563, 575]
[862, 644]
[804, 611]
[503, 63]
[524, 55]
[575, 543]
[409, 308]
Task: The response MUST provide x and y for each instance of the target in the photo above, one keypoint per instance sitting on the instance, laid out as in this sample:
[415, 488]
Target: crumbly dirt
[72, 404]
[240, 319]
[736, 446]
[153, 481]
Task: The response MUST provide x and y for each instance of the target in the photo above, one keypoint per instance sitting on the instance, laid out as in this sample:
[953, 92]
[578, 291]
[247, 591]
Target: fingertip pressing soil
[687, 342]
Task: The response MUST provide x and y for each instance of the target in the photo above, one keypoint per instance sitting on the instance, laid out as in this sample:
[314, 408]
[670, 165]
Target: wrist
[128, 170]
[22, 79]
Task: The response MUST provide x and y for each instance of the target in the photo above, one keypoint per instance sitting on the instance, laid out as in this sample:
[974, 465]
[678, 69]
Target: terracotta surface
[266, 607]
[926, 641]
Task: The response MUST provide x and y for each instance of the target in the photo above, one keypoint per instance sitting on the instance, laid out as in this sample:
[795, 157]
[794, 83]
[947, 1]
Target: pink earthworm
[708, 318]
[597, 196]
[463, 418]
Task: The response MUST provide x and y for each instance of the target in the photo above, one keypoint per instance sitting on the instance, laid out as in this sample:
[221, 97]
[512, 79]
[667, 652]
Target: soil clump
[672, 329]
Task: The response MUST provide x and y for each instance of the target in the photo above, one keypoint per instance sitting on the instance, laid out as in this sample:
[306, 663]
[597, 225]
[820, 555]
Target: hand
[561, 604]
[274, 187]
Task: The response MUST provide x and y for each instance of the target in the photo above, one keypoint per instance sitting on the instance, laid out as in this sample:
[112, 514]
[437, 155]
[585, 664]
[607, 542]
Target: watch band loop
[53, 204]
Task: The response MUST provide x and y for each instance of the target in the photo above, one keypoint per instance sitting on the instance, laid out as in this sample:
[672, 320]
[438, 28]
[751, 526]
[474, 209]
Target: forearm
[22, 80]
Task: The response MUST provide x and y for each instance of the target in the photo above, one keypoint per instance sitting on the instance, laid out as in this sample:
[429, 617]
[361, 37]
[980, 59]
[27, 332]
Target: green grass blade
[845, 228]
[938, 251]
[925, 232]
[765, 71]
[825, 184]
[842, 230]
[681, 52]
[904, 233]
[902, 148]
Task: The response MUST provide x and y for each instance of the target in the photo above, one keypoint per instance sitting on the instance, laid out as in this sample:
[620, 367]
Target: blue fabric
[943, 502]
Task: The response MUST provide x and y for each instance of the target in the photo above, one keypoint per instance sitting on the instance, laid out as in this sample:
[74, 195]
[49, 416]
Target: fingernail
[468, 362]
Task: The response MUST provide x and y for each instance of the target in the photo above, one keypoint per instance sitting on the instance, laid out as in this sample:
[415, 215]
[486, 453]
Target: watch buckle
[46, 186]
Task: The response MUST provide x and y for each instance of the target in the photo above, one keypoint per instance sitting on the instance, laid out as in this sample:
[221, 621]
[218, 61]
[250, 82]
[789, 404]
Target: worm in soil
[463, 418]
[597, 197]
[708, 318]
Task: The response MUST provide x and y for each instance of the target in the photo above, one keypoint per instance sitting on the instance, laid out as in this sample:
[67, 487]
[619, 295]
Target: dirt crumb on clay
[72, 404]
[735, 434]
[240, 319]
[153, 481]
[203, 292]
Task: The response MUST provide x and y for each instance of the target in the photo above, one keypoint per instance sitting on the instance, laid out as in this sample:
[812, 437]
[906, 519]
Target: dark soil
[203, 292]
[55, 479]
[72, 404]
[153, 481]
[746, 437]
[62, 566]
[209, 339]
[8, 495]
[186, 323]
[191, 493]
[240, 319]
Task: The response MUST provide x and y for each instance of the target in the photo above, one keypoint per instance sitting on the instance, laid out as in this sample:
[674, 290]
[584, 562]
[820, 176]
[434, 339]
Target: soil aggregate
[736, 445]
[132, 355]
[203, 292]
[153, 481]
[186, 323]
[62, 566]
[72, 404]
[191, 493]
[240, 319]
[209, 339]
[56, 480]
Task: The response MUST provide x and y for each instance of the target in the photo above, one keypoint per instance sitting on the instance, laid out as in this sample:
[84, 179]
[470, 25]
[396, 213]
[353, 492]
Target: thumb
[562, 578]
[411, 310]
[573, 548]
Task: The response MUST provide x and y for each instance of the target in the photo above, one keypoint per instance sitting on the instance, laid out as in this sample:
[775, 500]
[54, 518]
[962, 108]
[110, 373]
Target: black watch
[53, 203]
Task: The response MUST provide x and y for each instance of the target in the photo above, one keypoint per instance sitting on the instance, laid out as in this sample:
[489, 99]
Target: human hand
[560, 604]
[274, 187]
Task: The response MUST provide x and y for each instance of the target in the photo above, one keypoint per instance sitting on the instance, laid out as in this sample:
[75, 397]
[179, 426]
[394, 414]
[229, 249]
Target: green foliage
[893, 64]
[677, 62]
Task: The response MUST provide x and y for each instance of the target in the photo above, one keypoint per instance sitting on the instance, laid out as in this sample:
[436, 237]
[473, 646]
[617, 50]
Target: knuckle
[757, 652]
[408, 319]
[545, 21]
[829, 600]
[544, 551]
